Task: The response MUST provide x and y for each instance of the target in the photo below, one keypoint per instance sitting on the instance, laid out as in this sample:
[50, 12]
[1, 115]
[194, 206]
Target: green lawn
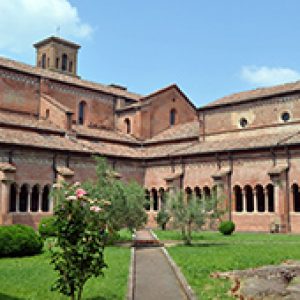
[31, 278]
[214, 252]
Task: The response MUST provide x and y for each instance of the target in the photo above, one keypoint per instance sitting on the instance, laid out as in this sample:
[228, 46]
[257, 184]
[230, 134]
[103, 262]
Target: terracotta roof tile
[254, 94]
[180, 131]
[12, 64]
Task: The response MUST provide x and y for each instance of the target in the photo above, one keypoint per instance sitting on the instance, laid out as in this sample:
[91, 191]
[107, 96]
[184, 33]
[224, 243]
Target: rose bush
[77, 253]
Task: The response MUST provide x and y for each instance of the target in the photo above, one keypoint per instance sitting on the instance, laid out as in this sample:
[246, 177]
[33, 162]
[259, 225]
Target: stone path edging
[131, 276]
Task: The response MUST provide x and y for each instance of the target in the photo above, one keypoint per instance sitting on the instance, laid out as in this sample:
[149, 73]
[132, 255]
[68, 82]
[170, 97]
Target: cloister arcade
[246, 199]
[25, 198]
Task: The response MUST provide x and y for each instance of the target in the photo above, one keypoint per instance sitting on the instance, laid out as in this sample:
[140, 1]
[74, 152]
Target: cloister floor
[31, 278]
[213, 252]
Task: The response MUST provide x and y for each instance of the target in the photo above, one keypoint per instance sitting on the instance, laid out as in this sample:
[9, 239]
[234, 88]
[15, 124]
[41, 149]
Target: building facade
[245, 145]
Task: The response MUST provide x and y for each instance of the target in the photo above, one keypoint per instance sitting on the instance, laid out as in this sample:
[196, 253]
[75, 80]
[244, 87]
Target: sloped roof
[254, 95]
[12, 64]
[181, 131]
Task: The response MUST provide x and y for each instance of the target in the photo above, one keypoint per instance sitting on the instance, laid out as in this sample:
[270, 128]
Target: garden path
[154, 277]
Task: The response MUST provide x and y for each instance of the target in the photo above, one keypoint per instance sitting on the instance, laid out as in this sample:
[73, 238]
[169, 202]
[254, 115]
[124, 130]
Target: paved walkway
[155, 278]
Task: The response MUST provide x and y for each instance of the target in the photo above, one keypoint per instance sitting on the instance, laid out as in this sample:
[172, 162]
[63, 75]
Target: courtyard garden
[211, 252]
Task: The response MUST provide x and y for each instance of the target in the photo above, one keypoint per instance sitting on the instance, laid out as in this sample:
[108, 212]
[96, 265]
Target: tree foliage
[193, 212]
[127, 199]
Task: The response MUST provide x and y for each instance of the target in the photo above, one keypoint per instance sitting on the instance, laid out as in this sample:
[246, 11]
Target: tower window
[44, 61]
[57, 63]
[128, 125]
[172, 117]
[64, 62]
[243, 122]
[81, 113]
[70, 66]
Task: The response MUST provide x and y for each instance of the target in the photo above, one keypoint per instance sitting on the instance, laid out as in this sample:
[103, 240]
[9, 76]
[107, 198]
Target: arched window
[127, 125]
[81, 113]
[44, 61]
[64, 62]
[260, 198]
[197, 192]
[270, 194]
[155, 199]
[206, 192]
[34, 201]
[13, 198]
[238, 198]
[24, 198]
[70, 66]
[57, 63]
[45, 198]
[296, 197]
[173, 117]
[188, 193]
[249, 198]
[147, 198]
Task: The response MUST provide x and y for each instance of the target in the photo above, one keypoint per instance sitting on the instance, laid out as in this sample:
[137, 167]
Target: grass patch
[31, 277]
[213, 252]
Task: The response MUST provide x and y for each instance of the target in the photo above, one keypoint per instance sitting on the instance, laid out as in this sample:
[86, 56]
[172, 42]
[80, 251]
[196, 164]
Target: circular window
[285, 117]
[243, 122]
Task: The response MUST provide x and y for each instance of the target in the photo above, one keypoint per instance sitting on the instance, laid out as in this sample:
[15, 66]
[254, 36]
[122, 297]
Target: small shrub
[227, 227]
[162, 219]
[47, 227]
[19, 240]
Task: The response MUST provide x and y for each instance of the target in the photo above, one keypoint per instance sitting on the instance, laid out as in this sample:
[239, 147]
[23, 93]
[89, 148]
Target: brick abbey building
[246, 145]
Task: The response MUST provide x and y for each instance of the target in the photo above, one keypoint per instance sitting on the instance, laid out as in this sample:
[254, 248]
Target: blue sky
[209, 48]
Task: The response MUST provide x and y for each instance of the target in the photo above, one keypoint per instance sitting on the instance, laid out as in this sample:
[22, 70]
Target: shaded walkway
[154, 277]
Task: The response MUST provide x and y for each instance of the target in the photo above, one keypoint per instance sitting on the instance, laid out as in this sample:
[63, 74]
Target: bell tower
[57, 54]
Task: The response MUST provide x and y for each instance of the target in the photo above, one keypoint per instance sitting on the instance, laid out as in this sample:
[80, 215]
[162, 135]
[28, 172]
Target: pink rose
[80, 193]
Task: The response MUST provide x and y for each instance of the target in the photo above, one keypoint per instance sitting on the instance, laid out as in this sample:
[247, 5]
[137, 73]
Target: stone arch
[197, 192]
[81, 112]
[296, 197]
[154, 198]
[260, 198]
[46, 199]
[270, 195]
[147, 200]
[188, 193]
[12, 207]
[206, 192]
[34, 201]
[23, 197]
[249, 198]
[238, 196]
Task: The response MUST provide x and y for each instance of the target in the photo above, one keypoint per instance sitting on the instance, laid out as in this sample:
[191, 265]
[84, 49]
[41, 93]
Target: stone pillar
[40, 200]
[244, 201]
[29, 195]
[18, 199]
[255, 201]
[151, 201]
[266, 200]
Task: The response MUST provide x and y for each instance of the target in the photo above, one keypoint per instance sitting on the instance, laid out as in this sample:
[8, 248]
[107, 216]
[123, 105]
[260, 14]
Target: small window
[285, 116]
[47, 113]
[70, 67]
[64, 62]
[57, 63]
[81, 113]
[243, 122]
[44, 61]
[48, 62]
[172, 117]
[128, 125]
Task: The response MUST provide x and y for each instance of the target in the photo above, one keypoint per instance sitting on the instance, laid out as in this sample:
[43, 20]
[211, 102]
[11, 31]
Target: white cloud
[266, 76]
[24, 22]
